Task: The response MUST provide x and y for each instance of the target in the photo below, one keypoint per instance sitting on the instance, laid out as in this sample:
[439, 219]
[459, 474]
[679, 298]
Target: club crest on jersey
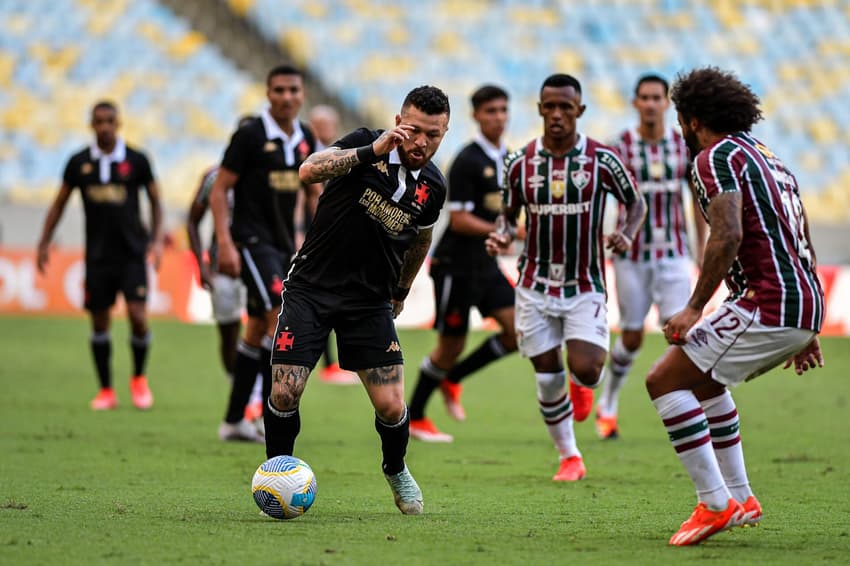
[381, 166]
[86, 168]
[124, 168]
[421, 193]
[488, 172]
[559, 183]
[580, 178]
[303, 150]
[656, 170]
[270, 146]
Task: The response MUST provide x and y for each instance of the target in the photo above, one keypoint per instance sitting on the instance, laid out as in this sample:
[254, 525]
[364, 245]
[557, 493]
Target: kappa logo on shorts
[394, 347]
[284, 341]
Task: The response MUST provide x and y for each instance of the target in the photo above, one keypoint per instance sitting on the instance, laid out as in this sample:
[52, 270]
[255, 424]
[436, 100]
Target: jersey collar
[395, 159]
[118, 154]
[579, 147]
[274, 132]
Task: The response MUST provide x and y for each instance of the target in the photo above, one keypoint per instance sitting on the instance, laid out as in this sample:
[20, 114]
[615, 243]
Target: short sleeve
[512, 181]
[615, 176]
[70, 175]
[357, 138]
[145, 170]
[238, 152]
[462, 181]
[206, 187]
[719, 169]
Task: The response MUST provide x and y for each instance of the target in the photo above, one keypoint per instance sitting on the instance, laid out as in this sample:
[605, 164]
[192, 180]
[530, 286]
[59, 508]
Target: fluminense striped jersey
[661, 173]
[564, 199]
[773, 271]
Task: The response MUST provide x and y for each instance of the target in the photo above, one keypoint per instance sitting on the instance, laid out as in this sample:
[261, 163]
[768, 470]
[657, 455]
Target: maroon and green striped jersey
[774, 269]
[661, 170]
[564, 200]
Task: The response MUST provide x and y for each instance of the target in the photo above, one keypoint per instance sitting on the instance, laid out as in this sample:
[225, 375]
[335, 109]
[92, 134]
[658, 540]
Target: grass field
[127, 487]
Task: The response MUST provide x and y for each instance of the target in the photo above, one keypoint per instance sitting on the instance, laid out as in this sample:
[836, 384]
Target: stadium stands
[795, 53]
[179, 97]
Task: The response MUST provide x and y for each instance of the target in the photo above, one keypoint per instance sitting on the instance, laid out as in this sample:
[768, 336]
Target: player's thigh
[538, 331]
[497, 293]
[102, 284]
[733, 346]
[453, 297]
[585, 318]
[228, 298]
[671, 285]
[302, 329]
[633, 292]
[366, 337]
[263, 271]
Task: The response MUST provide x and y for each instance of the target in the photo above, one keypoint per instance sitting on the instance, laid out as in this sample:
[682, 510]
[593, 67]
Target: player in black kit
[261, 164]
[370, 235]
[464, 274]
[110, 175]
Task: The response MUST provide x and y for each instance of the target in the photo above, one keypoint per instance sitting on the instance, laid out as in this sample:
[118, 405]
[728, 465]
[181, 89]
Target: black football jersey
[264, 197]
[114, 229]
[474, 186]
[365, 222]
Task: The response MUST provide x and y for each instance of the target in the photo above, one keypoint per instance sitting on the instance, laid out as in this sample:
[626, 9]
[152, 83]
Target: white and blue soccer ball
[284, 487]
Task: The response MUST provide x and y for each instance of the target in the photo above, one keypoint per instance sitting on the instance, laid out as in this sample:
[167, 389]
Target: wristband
[400, 293]
[366, 154]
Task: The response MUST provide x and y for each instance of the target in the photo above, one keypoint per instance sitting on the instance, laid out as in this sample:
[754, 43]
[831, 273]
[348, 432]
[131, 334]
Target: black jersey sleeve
[238, 153]
[462, 182]
[357, 138]
[145, 170]
[69, 176]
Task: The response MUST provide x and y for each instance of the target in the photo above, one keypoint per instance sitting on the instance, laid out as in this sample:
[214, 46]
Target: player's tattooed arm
[327, 164]
[288, 383]
[414, 257]
[388, 375]
[721, 248]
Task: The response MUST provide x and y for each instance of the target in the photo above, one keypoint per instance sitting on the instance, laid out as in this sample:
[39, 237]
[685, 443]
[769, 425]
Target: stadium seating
[796, 55]
[178, 95]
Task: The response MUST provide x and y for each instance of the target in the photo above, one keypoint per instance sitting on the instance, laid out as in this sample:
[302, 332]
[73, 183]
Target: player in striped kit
[657, 268]
[760, 243]
[561, 179]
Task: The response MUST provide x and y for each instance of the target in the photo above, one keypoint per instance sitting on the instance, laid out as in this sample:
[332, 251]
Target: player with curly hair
[759, 242]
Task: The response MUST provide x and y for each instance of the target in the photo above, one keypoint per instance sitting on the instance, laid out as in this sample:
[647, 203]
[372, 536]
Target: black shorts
[365, 331]
[104, 280]
[455, 293]
[264, 268]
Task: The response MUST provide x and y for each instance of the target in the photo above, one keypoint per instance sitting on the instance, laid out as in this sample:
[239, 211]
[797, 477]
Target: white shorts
[665, 282]
[544, 322]
[228, 298]
[735, 346]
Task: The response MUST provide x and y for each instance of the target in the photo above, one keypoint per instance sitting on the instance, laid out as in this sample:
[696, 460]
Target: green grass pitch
[127, 487]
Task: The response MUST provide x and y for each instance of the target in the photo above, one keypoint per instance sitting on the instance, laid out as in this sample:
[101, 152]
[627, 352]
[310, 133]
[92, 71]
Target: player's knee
[632, 340]
[655, 381]
[508, 341]
[587, 371]
[390, 410]
[285, 398]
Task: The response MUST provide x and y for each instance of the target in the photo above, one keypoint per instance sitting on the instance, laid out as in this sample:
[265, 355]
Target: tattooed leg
[288, 384]
[385, 386]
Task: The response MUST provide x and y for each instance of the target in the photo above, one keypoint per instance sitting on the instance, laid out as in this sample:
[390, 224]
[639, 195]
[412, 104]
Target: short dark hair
[104, 105]
[429, 99]
[559, 80]
[284, 69]
[487, 93]
[717, 99]
[653, 78]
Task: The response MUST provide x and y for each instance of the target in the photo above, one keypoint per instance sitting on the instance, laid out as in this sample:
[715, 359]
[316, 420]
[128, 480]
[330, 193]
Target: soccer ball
[284, 487]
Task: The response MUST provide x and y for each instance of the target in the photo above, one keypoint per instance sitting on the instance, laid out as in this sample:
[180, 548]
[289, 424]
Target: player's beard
[692, 142]
[408, 162]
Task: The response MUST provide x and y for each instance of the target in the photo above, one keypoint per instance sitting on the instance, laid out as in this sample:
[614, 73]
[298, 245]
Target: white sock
[687, 428]
[724, 426]
[557, 411]
[620, 363]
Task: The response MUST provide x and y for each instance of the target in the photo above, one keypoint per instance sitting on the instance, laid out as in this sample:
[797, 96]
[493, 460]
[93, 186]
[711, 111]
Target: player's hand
[807, 358]
[206, 277]
[42, 255]
[228, 259]
[618, 242]
[398, 306]
[676, 329]
[497, 243]
[391, 139]
[155, 253]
